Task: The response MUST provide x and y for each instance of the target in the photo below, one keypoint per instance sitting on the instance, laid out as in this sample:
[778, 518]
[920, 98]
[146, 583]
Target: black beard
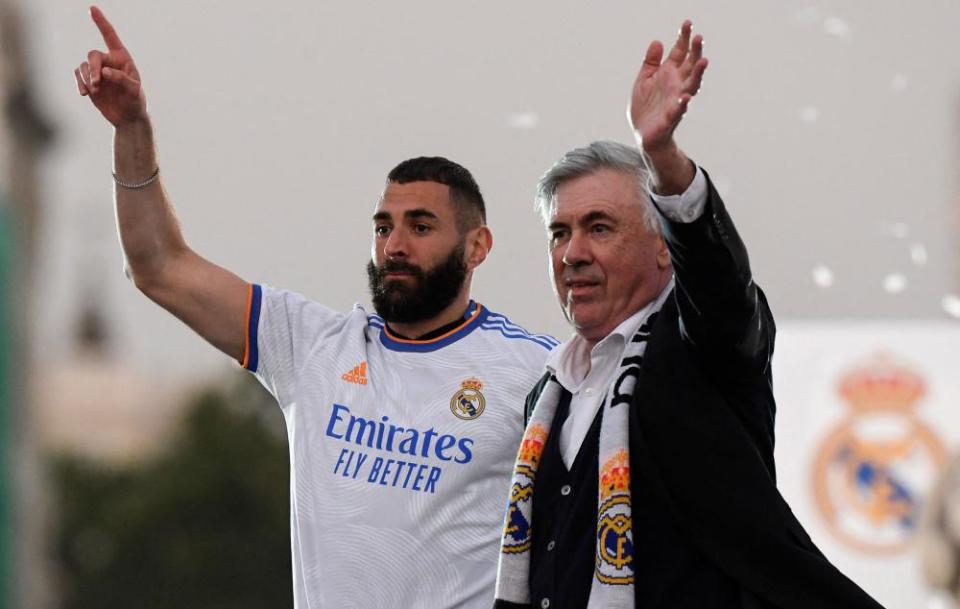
[430, 293]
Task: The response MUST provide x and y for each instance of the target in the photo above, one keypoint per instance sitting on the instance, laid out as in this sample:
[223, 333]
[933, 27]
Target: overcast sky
[832, 130]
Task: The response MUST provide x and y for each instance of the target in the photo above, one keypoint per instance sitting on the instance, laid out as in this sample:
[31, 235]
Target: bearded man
[403, 425]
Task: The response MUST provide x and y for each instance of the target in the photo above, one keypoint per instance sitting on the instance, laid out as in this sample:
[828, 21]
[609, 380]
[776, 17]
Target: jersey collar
[473, 316]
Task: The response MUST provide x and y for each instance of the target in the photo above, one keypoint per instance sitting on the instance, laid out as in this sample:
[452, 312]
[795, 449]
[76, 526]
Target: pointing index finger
[106, 30]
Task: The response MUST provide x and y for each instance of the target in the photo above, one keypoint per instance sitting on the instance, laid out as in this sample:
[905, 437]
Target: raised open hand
[662, 91]
[111, 79]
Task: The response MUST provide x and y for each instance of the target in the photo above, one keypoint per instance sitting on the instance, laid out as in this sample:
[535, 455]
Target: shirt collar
[570, 362]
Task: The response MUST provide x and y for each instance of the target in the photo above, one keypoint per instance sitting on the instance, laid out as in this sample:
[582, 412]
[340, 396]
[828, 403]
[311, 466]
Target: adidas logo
[358, 375]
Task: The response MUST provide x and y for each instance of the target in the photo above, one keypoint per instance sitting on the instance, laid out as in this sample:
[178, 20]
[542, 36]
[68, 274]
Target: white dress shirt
[587, 373]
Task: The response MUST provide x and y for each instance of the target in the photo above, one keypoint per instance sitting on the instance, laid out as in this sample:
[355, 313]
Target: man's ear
[663, 254]
[479, 243]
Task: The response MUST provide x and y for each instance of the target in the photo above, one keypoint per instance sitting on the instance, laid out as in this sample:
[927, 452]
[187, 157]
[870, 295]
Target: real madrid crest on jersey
[870, 469]
[468, 403]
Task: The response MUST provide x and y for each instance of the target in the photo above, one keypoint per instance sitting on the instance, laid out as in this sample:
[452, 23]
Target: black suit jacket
[702, 425]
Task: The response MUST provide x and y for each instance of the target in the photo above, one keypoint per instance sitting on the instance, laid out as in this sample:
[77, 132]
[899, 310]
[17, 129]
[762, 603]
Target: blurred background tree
[204, 523]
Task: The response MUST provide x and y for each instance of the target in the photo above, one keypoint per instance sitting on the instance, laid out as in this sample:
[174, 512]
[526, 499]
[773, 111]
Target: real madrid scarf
[612, 585]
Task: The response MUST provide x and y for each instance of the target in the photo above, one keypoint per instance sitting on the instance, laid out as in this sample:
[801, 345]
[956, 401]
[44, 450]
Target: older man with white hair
[646, 475]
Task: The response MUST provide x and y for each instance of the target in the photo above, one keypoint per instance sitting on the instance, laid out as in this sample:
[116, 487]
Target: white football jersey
[401, 451]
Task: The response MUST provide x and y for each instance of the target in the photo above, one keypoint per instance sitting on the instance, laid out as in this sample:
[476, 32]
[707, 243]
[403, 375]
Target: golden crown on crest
[615, 474]
[532, 445]
[472, 383]
[881, 384]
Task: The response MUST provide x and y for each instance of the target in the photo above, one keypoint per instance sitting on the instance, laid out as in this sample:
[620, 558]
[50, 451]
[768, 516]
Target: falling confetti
[836, 26]
[951, 304]
[918, 253]
[809, 114]
[894, 283]
[822, 277]
[523, 120]
[899, 82]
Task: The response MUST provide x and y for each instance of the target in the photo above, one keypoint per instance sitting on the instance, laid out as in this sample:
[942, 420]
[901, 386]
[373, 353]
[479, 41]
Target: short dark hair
[464, 192]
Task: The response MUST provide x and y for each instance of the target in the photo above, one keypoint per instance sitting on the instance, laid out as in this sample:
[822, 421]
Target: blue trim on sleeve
[252, 324]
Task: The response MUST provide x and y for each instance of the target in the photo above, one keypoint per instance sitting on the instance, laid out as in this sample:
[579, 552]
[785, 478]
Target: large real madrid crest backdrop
[867, 415]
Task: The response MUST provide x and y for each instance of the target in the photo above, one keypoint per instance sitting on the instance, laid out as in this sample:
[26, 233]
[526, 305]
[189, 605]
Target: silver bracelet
[138, 185]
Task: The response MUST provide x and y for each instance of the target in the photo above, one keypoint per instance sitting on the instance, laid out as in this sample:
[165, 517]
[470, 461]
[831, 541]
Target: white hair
[588, 159]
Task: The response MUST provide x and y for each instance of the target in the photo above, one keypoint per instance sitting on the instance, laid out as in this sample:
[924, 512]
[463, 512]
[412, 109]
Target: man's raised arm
[719, 303]
[659, 100]
[208, 298]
